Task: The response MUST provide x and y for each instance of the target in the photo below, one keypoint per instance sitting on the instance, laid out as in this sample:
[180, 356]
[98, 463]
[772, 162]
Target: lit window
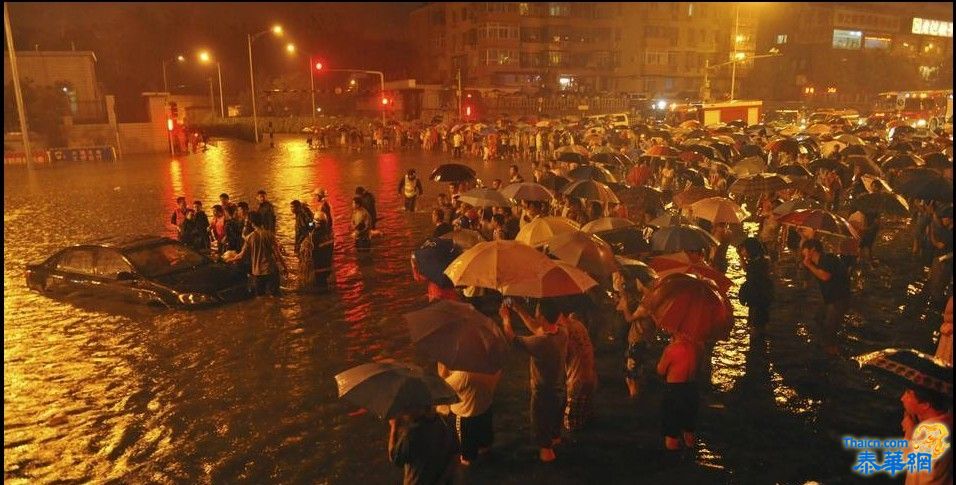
[781, 39]
[690, 9]
[876, 43]
[847, 39]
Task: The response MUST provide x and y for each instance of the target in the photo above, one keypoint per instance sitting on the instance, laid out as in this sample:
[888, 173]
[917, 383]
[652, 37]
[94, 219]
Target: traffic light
[384, 101]
[318, 66]
[468, 110]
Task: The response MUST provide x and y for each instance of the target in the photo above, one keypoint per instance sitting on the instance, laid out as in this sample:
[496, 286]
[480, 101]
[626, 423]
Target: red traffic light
[318, 66]
[467, 110]
[384, 101]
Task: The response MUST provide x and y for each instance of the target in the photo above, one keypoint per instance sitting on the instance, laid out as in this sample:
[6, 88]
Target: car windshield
[164, 259]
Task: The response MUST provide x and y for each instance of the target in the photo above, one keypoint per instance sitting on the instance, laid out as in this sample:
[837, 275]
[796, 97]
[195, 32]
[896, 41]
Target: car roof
[127, 242]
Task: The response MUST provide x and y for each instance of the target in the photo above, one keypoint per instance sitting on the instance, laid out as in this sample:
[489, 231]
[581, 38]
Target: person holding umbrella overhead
[548, 347]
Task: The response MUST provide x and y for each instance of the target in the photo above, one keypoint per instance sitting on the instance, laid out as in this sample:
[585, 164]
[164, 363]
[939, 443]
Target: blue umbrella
[434, 255]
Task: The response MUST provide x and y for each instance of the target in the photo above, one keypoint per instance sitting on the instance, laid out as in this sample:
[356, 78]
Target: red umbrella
[662, 151]
[639, 175]
[782, 144]
[690, 306]
[690, 157]
[684, 262]
[821, 221]
[694, 194]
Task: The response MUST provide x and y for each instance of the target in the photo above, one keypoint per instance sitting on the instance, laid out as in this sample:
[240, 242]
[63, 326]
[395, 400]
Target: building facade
[659, 49]
[845, 53]
[72, 72]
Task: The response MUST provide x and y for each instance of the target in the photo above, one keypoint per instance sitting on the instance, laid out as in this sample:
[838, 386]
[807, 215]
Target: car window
[164, 259]
[76, 261]
[109, 263]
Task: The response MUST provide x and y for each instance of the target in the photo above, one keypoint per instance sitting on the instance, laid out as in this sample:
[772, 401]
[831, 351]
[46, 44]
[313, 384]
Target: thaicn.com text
[852, 443]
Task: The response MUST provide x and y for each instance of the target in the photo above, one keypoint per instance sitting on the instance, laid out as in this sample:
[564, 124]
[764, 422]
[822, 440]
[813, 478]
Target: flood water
[109, 392]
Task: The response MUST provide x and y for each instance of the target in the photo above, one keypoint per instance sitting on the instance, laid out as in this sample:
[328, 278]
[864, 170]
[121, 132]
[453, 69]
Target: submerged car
[145, 269]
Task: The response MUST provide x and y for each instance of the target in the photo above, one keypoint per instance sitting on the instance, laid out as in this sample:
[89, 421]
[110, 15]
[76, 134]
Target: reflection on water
[97, 390]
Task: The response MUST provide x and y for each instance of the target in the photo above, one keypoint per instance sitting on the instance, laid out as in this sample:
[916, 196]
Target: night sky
[130, 40]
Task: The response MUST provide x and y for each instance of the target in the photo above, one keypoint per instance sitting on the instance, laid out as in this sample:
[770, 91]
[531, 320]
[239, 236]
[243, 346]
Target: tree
[45, 105]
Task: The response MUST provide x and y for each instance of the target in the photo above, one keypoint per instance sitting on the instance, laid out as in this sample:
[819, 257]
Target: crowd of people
[561, 333]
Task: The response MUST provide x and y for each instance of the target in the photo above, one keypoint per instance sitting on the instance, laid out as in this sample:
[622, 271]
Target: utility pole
[459, 93]
[733, 74]
[18, 94]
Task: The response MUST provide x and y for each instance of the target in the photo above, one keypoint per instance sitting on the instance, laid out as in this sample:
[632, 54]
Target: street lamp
[250, 38]
[290, 48]
[738, 56]
[381, 78]
[205, 58]
[179, 58]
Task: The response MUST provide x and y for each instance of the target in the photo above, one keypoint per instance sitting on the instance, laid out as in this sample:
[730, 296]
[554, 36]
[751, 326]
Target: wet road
[100, 391]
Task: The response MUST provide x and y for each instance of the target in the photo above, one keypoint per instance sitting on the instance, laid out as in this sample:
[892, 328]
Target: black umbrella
[702, 150]
[458, 336]
[638, 270]
[738, 123]
[389, 388]
[920, 185]
[573, 157]
[625, 240]
[554, 183]
[905, 160]
[881, 203]
[593, 172]
[752, 151]
[431, 259]
[615, 159]
[677, 238]
[854, 150]
[938, 160]
[912, 368]
[793, 170]
[453, 172]
[826, 163]
[692, 176]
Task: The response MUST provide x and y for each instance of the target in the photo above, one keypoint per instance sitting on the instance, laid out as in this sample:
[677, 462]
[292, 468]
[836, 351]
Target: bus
[919, 109]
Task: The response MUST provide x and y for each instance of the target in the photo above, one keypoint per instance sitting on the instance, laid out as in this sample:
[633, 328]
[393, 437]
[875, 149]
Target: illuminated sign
[938, 28]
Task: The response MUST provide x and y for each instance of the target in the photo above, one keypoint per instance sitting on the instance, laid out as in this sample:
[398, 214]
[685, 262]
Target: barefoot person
[678, 366]
[548, 347]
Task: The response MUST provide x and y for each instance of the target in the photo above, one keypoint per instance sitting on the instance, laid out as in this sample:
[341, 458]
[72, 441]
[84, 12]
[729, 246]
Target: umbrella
[692, 176]
[831, 147]
[759, 184]
[783, 145]
[591, 190]
[683, 262]
[752, 151]
[793, 170]
[431, 259]
[662, 151]
[913, 368]
[458, 336]
[817, 129]
[538, 232]
[670, 219]
[638, 270]
[750, 166]
[691, 157]
[918, 184]
[795, 205]
[690, 125]
[543, 124]
[718, 210]
[647, 197]
[584, 251]
[625, 240]
[882, 203]
[905, 160]
[854, 150]
[527, 191]
[452, 172]
[573, 157]
[639, 175]
[574, 149]
[562, 279]
[825, 163]
[864, 164]
[607, 224]
[464, 238]
[681, 237]
[554, 183]
[608, 158]
[388, 388]
[702, 150]
[850, 140]
[484, 198]
[592, 172]
[690, 306]
[821, 221]
[693, 194]
[515, 269]
[809, 187]
[938, 160]
[875, 184]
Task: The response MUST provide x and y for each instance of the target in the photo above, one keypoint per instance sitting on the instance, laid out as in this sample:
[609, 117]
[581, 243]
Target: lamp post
[277, 30]
[313, 66]
[739, 56]
[21, 109]
[737, 39]
[205, 58]
[178, 58]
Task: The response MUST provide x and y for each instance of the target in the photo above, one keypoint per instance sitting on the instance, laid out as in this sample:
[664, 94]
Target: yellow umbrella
[517, 270]
[538, 232]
